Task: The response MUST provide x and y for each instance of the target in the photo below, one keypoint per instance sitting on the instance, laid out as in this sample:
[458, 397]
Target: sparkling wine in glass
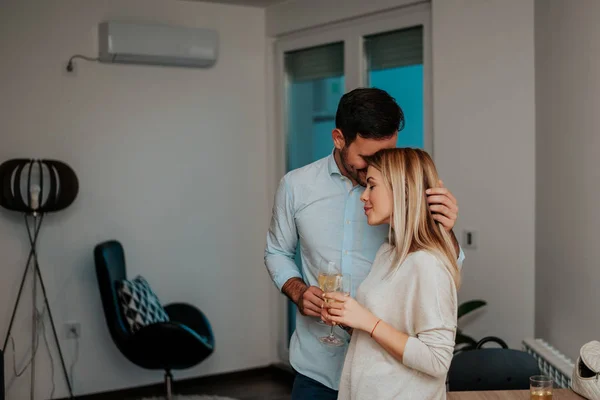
[333, 281]
[324, 279]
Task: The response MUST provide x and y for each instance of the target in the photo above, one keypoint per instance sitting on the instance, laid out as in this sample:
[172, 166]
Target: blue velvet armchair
[182, 342]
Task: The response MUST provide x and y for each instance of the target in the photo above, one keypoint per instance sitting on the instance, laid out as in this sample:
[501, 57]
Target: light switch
[470, 239]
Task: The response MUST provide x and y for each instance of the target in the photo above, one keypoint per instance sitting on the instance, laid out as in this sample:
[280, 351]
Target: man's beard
[360, 176]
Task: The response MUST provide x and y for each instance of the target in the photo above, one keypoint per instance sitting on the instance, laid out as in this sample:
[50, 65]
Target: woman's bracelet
[373, 330]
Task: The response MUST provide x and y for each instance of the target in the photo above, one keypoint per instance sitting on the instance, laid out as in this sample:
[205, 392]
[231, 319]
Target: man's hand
[443, 206]
[311, 302]
[309, 299]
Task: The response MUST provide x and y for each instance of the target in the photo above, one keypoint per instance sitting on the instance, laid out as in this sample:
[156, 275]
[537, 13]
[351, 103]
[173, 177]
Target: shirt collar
[333, 168]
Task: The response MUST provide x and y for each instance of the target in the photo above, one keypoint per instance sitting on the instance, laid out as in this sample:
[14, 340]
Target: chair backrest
[491, 369]
[109, 258]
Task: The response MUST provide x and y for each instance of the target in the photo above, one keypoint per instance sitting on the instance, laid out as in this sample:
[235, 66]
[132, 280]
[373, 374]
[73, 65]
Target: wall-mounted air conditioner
[157, 44]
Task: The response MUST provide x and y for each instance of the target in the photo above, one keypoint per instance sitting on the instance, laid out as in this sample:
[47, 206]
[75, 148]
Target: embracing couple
[382, 215]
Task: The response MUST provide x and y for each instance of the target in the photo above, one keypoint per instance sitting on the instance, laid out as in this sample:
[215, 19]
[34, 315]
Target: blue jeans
[306, 388]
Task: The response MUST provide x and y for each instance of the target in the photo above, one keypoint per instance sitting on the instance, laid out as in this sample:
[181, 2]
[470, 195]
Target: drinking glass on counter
[540, 387]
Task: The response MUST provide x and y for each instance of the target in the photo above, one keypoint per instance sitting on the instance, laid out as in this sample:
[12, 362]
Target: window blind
[320, 62]
[395, 49]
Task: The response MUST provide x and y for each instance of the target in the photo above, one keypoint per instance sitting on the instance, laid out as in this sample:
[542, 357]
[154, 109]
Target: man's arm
[308, 298]
[294, 288]
[282, 240]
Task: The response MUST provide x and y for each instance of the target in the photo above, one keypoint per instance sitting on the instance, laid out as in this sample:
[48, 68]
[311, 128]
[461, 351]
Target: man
[319, 206]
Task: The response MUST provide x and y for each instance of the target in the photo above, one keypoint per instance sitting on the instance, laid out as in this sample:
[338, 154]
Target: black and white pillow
[139, 303]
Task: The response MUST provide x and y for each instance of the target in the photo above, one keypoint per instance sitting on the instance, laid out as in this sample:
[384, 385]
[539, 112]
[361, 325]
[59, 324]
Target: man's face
[352, 156]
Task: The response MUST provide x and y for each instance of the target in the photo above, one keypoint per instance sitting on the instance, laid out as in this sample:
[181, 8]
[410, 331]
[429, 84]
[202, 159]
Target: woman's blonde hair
[409, 173]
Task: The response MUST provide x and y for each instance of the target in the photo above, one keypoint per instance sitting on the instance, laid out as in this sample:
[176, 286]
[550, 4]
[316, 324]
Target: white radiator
[551, 361]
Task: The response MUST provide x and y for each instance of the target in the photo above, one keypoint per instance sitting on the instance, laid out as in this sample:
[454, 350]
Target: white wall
[568, 99]
[484, 135]
[171, 162]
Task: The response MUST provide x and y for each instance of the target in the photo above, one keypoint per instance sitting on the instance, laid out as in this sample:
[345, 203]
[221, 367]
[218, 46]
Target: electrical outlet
[72, 330]
[470, 239]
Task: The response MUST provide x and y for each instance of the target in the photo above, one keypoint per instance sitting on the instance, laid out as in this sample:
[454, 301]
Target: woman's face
[378, 199]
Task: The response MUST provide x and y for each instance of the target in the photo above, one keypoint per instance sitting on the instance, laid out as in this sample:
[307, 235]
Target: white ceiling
[250, 3]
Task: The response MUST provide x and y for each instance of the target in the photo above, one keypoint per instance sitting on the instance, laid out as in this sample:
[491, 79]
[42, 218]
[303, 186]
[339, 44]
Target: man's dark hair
[369, 112]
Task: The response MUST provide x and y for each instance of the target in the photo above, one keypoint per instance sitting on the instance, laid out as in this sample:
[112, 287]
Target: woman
[404, 315]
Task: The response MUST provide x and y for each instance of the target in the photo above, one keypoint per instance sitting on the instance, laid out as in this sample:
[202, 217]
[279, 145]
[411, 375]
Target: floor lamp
[35, 188]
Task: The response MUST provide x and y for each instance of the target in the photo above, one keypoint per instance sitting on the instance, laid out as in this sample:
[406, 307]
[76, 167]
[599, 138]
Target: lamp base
[32, 262]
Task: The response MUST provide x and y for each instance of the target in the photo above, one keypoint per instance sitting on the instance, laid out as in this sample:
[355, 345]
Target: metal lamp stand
[37, 275]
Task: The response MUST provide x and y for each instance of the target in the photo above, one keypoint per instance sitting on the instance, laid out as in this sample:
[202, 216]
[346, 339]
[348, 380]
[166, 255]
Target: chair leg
[168, 380]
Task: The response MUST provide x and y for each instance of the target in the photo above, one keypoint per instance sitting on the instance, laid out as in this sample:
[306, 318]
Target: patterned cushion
[140, 305]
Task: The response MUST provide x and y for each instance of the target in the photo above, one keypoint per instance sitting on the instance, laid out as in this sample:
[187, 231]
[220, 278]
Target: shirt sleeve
[461, 258]
[434, 315]
[282, 238]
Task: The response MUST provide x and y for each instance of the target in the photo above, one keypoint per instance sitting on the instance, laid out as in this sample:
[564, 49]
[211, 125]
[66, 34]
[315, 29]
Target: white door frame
[351, 32]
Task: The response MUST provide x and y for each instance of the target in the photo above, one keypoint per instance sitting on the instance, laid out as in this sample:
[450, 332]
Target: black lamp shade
[56, 182]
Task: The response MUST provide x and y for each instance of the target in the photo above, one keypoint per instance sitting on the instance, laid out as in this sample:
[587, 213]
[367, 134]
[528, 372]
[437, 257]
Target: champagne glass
[323, 273]
[334, 281]
[346, 284]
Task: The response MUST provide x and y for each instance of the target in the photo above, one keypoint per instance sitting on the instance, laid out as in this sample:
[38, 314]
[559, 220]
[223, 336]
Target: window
[395, 64]
[315, 83]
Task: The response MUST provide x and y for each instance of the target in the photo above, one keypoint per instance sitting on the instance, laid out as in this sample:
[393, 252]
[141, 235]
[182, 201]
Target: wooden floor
[269, 383]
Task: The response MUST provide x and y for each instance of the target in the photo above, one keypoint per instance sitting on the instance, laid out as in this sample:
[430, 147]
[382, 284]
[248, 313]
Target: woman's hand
[344, 310]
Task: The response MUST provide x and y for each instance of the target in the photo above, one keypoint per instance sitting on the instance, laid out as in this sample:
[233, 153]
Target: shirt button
[348, 221]
[346, 252]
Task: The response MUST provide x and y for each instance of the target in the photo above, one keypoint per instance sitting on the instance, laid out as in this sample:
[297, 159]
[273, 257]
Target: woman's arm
[346, 311]
[391, 339]
[433, 312]
[430, 352]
